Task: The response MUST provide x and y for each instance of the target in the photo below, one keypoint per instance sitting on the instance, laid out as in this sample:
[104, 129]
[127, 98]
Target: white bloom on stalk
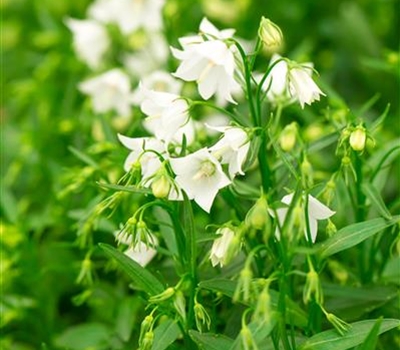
[160, 81]
[143, 151]
[221, 247]
[150, 57]
[290, 82]
[109, 91]
[168, 115]
[316, 211]
[200, 175]
[302, 85]
[141, 253]
[129, 15]
[232, 148]
[90, 40]
[212, 65]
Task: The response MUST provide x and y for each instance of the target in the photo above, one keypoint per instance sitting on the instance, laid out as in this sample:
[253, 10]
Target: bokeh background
[355, 48]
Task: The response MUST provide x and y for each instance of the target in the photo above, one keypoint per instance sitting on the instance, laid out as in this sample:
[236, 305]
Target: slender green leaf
[376, 199]
[142, 277]
[165, 334]
[166, 229]
[85, 336]
[352, 235]
[131, 189]
[84, 157]
[294, 312]
[332, 340]
[372, 338]
[209, 341]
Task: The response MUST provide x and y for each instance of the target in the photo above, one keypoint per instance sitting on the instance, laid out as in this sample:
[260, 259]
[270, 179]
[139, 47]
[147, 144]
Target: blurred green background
[354, 45]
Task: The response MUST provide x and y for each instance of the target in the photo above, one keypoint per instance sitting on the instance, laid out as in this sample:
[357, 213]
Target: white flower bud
[287, 138]
[270, 34]
[161, 187]
[358, 138]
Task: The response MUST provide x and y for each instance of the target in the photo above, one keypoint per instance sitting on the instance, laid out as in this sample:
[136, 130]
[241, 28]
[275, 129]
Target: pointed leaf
[142, 277]
[165, 334]
[84, 157]
[352, 235]
[332, 340]
[376, 199]
[132, 189]
[209, 341]
[372, 338]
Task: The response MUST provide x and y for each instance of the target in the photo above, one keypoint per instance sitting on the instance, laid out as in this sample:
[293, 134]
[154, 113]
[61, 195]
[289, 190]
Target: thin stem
[265, 170]
[219, 109]
[247, 77]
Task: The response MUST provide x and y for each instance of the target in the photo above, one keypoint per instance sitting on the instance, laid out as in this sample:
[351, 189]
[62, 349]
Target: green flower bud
[147, 342]
[258, 217]
[358, 138]
[270, 34]
[307, 173]
[244, 285]
[312, 288]
[165, 295]
[287, 139]
[180, 304]
[201, 316]
[161, 187]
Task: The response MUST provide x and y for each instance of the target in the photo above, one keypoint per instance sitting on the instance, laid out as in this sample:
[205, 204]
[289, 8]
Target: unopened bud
[147, 342]
[180, 304]
[161, 187]
[313, 289]
[358, 138]
[270, 34]
[331, 228]
[201, 316]
[258, 217]
[287, 139]
[165, 295]
[307, 173]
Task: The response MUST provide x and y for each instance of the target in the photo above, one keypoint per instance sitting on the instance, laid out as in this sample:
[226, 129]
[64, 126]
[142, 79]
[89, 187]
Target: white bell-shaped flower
[289, 82]
[144, 151]
[316, 211]
[200, 175]
[90, 40]
[212, 65]
[168, 115]
[221, 248]
[129, 15]
[109, 91]
[232, 148]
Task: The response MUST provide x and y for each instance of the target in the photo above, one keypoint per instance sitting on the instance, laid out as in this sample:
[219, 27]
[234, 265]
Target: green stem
[360, 214]
[265, 170]
[219, 109]
[247, 77]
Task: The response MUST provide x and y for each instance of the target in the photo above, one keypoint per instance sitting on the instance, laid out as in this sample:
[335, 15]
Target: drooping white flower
[200, 175]
[222, 246]
[301, 84]
[212, 65]
[316, 211]
[160, 81]
[208, 30]
[232, 148]
[90, 40]
[142, 253]
[143, 151]
[290, 82]
[149, 58]
[129, 15]
[109, 91]
[168, 115]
